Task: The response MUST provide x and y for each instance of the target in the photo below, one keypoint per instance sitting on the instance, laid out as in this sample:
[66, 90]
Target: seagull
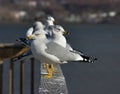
[54, 49]
[49, 52]
[56, 32]
[59, 38]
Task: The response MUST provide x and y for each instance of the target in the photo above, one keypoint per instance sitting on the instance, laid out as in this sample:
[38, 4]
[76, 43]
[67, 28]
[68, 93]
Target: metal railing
[55, 85]
[11, 83]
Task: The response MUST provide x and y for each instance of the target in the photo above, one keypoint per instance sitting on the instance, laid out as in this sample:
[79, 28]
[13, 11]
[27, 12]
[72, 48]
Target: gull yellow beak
[66, 33]
[30, 37]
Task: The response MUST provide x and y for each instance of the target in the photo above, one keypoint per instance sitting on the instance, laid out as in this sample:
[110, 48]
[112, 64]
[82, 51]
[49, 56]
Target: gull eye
[58, 30]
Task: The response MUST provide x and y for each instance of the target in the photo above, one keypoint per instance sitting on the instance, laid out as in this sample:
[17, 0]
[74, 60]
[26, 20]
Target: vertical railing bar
[1, 76]
[32, 75]
[22, 77]
[11, 76]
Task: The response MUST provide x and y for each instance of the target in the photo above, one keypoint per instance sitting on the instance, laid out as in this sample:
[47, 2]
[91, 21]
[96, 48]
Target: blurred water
[101, 41]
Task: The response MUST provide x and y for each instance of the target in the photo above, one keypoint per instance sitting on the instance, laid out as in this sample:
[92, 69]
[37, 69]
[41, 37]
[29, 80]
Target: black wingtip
[95, 58]
[87, 59]
[92, 60]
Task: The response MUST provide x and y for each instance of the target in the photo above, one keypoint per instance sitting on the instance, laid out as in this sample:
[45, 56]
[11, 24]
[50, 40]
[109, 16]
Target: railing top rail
[8, 44]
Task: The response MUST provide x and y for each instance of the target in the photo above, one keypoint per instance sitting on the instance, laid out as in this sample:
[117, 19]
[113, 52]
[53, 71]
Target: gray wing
[68, 46]
[62, 53]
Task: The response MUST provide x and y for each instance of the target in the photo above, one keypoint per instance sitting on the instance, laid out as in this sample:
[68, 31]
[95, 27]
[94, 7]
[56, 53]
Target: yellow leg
[50, 71]
[52, 67]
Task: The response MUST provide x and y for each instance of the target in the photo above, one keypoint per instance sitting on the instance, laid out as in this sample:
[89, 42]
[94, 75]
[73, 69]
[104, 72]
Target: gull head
[35, 31]
[59, 30]
[38, 26]
[50, 20]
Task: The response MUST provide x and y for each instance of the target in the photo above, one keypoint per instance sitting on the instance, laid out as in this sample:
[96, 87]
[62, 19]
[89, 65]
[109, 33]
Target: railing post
[54, 85]
[22, 77]
[11, 76]
[1, 76]
[32, 75]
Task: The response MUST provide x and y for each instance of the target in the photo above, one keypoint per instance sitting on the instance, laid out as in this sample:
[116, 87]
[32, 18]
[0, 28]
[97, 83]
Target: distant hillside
[63, 10]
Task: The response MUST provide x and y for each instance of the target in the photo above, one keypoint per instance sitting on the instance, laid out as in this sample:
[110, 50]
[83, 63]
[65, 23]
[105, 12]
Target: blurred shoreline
[70, 11]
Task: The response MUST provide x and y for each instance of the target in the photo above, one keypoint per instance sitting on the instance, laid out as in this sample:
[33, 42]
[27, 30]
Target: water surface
[101, 41]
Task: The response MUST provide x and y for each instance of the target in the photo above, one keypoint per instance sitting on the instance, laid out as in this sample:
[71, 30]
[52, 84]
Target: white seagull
[54, 49]
[50, 52]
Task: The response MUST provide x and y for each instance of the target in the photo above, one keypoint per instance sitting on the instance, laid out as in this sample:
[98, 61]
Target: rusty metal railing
[11, 83]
